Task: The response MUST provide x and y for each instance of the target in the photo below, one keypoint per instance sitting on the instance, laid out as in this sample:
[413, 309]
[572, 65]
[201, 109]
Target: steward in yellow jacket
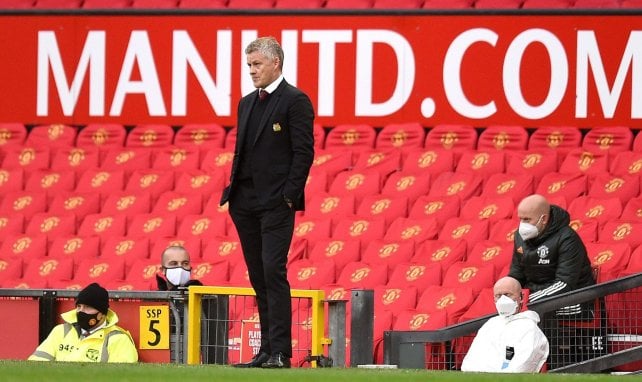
[89, 333]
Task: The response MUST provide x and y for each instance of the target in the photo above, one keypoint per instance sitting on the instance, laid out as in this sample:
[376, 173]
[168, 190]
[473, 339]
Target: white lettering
[185, 54]
[364, 106]
[588, 54]
[558, 80]
[139, 51]
[452, 69]
[92, 57]
[327, 40]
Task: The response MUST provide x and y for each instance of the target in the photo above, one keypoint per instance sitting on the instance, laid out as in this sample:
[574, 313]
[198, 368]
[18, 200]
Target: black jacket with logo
[554, 262]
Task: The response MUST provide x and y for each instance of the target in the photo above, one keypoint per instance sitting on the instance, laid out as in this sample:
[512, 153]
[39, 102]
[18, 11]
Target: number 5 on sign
[154, 327]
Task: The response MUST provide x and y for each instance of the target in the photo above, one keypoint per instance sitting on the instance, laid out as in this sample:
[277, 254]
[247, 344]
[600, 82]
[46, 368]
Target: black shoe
[277, 361]
[257, 361]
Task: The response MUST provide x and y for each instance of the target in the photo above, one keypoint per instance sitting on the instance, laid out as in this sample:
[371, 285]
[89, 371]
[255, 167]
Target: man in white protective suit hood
[510, 342]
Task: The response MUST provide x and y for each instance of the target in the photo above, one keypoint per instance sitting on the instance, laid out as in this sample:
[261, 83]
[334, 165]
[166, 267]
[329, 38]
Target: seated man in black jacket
[549, 258]
[176, 269]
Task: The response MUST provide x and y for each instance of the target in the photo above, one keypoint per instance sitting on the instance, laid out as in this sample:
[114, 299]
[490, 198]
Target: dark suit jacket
[283, 148]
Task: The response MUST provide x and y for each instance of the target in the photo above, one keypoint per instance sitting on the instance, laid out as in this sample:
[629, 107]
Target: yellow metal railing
[195, 309]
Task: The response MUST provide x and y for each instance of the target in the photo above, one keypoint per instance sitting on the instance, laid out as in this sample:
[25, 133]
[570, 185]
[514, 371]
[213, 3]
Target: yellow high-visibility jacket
[65, 343]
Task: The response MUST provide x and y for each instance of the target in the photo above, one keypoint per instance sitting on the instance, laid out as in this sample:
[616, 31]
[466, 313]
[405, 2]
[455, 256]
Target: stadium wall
[480, 68]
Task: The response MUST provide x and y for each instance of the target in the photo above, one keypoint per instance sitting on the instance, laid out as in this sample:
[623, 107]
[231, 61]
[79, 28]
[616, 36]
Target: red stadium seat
[420, 319]
[155, 182]
[152, 224]
[127, 159]
[341, 252]
[453, 301]
[103, 225]
[501, 137]
[155, 4]
[503, 231]
[11, 224]
[141, 273]
[74, 247]
[485, 252]
[75, 159]
[417, 230]
[150, 136]
[305, 274]
[10, 267]
[511, 186]
[482, 163]
[611, 186]
[54, 136]
[362, 275]
[250, 4]
[467, 275]
[612, 139]
[106, 4]
[497, 4]
[174, 158]
[46, 268]
[12, 134]
[24, 203]
[102, 135]
[383, 162]
[17, 4]
[127, 203]
[622, 231]
[594, 4]
[387, 252]
[296, 4]
[440, 208]
[51, 224]
[397, 4]
[415, 274]
[465, 229]
[332, 162]
[11, 181]
[463, 185]
[199, 182]
[491, 208]
[596, 208]
[57, 4]
[348, 136]
[406, 184]
[24, 246]
[178, 205]
[126, 248]
[356, 228]
[380, 207]
[27, 158]
[440, 253]
[201, 226]
[202, 4]
[76, 203]
[200, 136]
[99, 270]
[217, 160]
[211, 273]
[582, 161]
[632, 209]
[400, 135]
[103, 182]
[587, 229]
[220, 248]
[627, 163]
[394, 299]
[330, 206]
[559, 138]
[545, 4]
[429, 161]
[451, 137]
[609, 259]
[348, 4]
[52, 182]
[566, 186]
[535, 163]
[447, 4]
[312, 229]
[317, 182]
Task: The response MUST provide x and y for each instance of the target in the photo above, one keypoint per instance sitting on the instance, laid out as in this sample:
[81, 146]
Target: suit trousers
[265, 236]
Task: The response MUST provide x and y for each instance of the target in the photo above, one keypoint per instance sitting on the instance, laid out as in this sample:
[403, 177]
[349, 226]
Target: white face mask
[177, 276]
[528, 231]
[506, 306]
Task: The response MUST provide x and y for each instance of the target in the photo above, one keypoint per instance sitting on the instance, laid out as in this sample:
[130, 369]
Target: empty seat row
[313, 4]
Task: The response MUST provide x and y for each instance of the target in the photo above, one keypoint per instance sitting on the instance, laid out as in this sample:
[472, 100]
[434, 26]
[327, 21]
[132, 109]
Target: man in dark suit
[272, 159]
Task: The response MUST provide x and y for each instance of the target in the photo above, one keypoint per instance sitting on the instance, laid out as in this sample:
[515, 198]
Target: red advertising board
[481, 69]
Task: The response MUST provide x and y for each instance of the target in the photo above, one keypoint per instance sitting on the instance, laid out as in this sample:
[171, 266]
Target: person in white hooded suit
[511, 342]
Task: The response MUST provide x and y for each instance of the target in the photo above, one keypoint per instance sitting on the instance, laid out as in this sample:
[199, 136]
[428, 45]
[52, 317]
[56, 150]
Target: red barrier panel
[19, 337]
[479, 69]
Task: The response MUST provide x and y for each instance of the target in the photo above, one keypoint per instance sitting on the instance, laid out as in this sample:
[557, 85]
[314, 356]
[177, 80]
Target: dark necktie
[263, 94]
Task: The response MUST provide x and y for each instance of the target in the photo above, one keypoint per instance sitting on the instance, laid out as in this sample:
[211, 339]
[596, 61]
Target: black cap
[95, 296]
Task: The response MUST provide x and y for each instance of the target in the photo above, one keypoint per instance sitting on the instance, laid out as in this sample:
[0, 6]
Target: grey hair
[267, 46]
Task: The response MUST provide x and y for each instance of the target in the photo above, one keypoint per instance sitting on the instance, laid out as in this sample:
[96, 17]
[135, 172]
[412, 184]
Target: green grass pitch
[24, 371]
